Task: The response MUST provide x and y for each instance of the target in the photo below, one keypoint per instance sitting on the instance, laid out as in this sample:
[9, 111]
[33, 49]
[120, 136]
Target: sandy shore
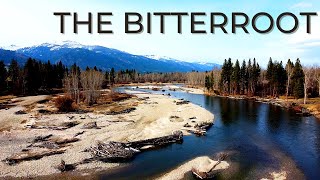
[155, 116]
[203, 164]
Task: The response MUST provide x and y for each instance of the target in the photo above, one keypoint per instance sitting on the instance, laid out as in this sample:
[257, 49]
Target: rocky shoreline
[40, 144]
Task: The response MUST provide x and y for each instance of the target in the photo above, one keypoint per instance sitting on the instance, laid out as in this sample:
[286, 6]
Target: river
[262, 138]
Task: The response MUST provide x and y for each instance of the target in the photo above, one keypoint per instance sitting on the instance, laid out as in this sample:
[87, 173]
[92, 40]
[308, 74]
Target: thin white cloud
[301, 5]
[312, 44]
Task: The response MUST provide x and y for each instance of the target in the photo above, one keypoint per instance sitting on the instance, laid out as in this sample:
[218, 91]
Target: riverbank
[312, 107]
[27, 121]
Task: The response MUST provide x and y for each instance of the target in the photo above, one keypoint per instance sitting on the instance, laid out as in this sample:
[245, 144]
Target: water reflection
[263, 136]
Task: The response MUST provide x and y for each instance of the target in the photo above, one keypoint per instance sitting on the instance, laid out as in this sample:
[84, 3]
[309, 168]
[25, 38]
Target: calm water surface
[261, 137]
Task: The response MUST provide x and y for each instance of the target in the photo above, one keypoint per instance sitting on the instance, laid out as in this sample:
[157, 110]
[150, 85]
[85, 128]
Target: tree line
[32, 78]
[249, 79]
[234, 78]
[36, 77]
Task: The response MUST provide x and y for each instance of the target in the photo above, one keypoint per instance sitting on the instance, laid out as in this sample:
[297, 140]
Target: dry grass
[285, 97]
[113, 97]
[5, 101]
[65, 104]
[6, 98]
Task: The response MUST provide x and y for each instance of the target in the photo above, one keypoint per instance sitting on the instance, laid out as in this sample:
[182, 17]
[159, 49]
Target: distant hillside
[102, 57]
[8, 55]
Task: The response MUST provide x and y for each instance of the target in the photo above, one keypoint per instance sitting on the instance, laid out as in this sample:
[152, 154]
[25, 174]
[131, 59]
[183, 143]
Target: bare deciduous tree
[71, 85]
[91, 81]
[309, 73]
[317, 77]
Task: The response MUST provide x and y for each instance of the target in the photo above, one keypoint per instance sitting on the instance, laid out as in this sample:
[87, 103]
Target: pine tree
[243, 77]
[60, 71]
[236, 78]
[269, 75]
[298, 80]
[289, 70]
[32, 76]
[15, 78]
[112, 76]
[249, 75]
[3, 77]
[254, 76]
[226, 73]
[106, 80]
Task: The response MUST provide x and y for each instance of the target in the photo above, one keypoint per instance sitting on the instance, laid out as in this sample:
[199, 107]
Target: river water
[261, 138]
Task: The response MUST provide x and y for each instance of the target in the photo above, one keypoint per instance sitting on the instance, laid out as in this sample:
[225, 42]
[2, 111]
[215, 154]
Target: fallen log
[79, 133]
[61, 141]
[47, 144]
[63, 126]
[32, 155]
[112, 152]
[125, 111]
[90, 125]
[58, 128]
[117, 151]
[198, 132]
[41, 138]
[156, 142]
[204, 125]
[182, 102]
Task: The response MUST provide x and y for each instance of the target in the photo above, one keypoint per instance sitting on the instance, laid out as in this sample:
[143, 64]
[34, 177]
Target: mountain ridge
[69, 52]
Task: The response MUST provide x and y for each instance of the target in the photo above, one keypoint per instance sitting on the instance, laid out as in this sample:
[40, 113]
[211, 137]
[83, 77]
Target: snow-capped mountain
[104, 58]
[11, 47]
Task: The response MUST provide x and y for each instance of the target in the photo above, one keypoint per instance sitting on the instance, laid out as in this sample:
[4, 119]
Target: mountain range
[69, 52]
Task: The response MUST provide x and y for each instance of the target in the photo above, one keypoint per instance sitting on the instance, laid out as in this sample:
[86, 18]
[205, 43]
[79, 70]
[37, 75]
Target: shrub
[65, 104]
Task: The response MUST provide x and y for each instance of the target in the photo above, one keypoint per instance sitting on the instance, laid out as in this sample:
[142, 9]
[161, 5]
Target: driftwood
[201, 129]
[47, 144]
[204, 125]
[212, 172]
[52, 143]
[79, 133]
[117, 151]
[63, 126]
[61, 141]
[41, 138]
[125, 111]
[90, 125]
[198, 132]
[59, 128]
[70, 124]
[20, 112]
[182, 102]
[161, 141]
[29, 155]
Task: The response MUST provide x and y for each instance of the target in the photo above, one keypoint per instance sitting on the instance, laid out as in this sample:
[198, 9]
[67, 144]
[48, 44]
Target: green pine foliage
[240, 80]
[3, 77]
[298, 80]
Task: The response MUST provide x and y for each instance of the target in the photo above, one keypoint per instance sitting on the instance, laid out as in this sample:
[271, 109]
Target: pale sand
[203, 164]
[175, 87]
[151, 119]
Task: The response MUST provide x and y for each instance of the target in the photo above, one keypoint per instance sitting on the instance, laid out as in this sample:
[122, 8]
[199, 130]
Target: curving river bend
[263, 138]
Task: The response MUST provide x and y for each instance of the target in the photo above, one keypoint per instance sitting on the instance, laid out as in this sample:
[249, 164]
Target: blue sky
[32, 22]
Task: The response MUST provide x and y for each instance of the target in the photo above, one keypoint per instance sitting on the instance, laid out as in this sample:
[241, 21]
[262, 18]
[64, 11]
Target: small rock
[20, 112]
[90, 125]
[187, 125]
